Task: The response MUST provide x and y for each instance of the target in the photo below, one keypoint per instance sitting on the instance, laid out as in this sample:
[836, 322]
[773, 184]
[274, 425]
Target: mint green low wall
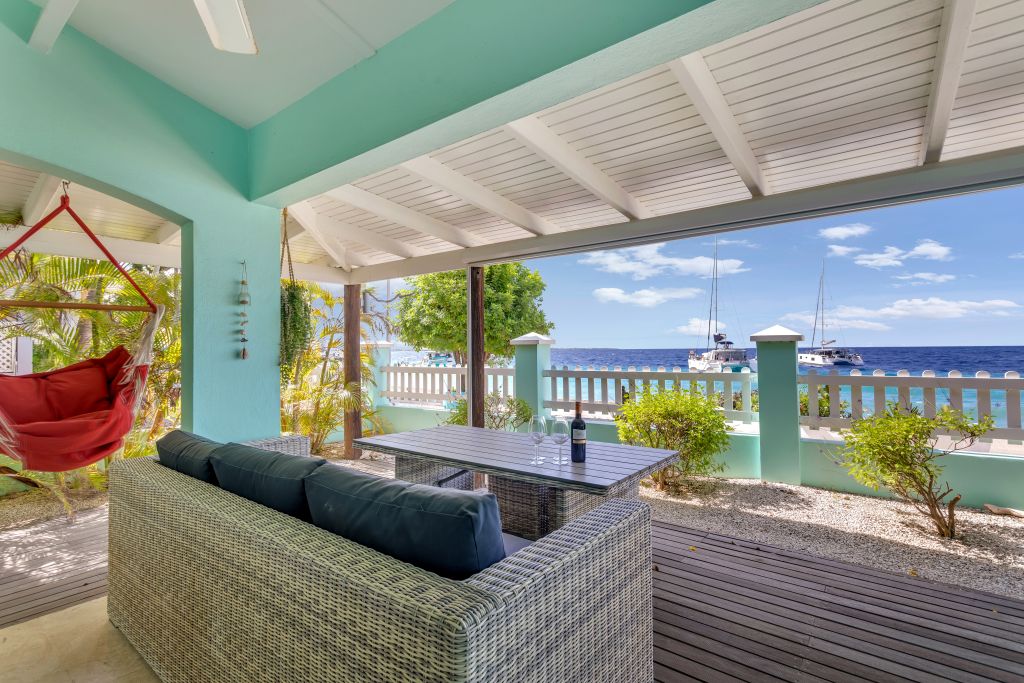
[978, 477]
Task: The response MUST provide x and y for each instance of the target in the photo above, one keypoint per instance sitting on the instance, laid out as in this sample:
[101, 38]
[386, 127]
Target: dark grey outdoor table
[534, 499]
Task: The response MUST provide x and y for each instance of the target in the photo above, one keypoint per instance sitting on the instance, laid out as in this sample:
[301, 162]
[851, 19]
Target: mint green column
[223, 396]
[533, 357]
[779, 419]
[380, 352]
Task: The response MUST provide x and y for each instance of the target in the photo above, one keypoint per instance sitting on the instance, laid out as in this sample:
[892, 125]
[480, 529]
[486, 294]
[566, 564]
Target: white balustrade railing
[855, 396]
[600, 391]
[438, 385]
[8, 356]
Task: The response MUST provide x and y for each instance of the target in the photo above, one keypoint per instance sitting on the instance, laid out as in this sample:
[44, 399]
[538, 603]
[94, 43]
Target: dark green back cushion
[449, 532]
[269, 478]
[188, 454]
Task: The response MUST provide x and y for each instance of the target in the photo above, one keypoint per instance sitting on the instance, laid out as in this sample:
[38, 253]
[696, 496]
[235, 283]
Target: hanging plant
[297, 324]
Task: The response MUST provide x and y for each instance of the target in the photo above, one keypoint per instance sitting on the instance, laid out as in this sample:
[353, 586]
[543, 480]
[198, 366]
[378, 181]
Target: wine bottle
[578, 450]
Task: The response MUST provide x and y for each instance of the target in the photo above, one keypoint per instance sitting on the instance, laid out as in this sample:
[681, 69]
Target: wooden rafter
[954, 35]
[545, 143]
[51, 23]
[693, 74]
[309, 219]
[41, 199]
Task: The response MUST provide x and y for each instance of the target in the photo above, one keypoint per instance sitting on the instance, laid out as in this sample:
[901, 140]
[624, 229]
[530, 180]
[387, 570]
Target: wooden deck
[724, 609]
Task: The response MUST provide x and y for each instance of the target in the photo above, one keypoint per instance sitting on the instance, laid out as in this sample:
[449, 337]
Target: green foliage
[899, 451]
[824, 406]
[297, 326]
[10, 218]
[315, 401]
[506, 414]
[432, 313]
[684, 421]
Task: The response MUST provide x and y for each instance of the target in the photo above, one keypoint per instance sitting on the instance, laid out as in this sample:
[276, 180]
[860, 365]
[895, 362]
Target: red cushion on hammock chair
[74, 416]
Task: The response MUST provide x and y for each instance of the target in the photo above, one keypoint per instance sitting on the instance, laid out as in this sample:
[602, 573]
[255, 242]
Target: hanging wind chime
[243, 316]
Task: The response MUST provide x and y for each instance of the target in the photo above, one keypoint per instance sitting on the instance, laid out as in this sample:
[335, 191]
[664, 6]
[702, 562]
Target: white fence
[438, 385]
[855, 396]
[600, 391]
[15, 356]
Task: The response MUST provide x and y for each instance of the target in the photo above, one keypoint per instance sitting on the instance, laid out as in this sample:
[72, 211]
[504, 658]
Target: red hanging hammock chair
[72, 417]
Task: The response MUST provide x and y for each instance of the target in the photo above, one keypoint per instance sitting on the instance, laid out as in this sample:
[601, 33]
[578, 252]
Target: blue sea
[890, 359]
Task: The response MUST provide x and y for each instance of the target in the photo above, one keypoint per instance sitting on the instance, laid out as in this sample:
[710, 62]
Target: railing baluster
[956, 391]
[984, 395]
[878, 390]
[856, 397]
[903, 392]
[928, 393]
[1013, 420]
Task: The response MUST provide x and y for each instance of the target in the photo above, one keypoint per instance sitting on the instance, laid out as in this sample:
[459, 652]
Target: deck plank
[725, 610]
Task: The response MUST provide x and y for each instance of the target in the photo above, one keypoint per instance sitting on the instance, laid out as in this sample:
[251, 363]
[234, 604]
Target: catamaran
[723, 357]
[825, 355]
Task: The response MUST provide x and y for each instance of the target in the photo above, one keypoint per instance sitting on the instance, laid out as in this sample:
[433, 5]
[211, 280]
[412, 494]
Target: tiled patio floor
[724, 609]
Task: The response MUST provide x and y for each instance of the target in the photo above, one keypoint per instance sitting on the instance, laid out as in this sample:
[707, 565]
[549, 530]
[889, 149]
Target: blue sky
[939, 273]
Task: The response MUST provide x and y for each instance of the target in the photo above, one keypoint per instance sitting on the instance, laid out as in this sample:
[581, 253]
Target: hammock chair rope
[72, 417]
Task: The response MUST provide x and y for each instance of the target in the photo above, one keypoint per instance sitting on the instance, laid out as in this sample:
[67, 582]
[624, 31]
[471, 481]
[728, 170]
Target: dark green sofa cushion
[449, 532]
[269, 478]
[188, 453]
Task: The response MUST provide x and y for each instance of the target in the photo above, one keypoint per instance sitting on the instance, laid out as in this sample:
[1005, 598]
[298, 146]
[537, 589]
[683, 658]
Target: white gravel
[988, 554]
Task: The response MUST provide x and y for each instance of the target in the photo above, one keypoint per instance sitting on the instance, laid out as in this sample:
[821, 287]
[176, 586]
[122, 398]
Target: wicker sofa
[209, 586]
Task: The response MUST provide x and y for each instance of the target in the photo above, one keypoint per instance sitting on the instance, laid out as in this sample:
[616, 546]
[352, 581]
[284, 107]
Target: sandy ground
[988, 554]
[32, 507]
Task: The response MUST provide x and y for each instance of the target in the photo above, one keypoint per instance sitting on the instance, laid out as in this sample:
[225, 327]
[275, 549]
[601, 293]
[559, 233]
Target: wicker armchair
[209, 586]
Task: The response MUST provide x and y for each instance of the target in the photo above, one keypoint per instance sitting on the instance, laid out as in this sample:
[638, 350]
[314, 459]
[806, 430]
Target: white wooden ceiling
[844, 90]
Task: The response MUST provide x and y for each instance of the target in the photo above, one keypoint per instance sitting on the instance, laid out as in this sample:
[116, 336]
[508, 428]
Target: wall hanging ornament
[243, 315]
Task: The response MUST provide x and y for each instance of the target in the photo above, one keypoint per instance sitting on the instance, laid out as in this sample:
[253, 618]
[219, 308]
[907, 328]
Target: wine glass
[560, 434]
[538, 430]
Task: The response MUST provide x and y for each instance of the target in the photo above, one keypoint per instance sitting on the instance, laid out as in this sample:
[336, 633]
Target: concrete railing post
[380, 352]
[779, 403]
[533, 357]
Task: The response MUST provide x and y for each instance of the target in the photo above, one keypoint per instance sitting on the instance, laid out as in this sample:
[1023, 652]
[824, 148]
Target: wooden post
[353, 315]
[476, 370]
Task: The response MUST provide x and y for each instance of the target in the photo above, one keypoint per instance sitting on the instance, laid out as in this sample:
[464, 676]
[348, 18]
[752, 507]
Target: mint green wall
[86, 114]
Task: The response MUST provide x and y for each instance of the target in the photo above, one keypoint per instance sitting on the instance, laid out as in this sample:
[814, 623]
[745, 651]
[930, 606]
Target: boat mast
[819, 308]
[713, 306]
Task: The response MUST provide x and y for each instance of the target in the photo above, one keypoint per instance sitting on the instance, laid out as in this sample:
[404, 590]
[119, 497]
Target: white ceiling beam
[51, 22]
[295, 231]
[472, 192]
[945, 179]
[166, 233]
[700, 85]
[403, 215]
[545, 143]
[954, 35]
[310, 221]
[77, 244]
[42, 199]
[353, 233]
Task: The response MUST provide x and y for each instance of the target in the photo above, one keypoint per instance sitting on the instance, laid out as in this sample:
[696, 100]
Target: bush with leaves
[824, 404]
[500, 412]
[899, 451]
[687, 422]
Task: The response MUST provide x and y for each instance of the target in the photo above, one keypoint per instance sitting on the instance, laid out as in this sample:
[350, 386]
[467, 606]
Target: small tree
[684, 421]
[899, 451]
[432, 312]
[499, 412]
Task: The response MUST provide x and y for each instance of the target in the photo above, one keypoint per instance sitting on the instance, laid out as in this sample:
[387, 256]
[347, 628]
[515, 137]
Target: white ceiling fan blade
[228, 25]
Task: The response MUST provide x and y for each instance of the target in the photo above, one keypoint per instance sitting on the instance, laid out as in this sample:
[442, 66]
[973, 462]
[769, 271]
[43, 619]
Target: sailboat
[826, 355]
[723, 357]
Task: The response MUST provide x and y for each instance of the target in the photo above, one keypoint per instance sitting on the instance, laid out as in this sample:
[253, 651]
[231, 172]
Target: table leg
[420, 471]
[535, 510]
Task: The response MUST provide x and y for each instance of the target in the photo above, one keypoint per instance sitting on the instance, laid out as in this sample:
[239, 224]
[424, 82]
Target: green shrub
[824, 409]
[898, 451]
[502, 413]
[689, 423]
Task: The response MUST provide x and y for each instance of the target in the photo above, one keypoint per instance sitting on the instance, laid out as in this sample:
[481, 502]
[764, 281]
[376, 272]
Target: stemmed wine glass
[560, 434]
[538, 430]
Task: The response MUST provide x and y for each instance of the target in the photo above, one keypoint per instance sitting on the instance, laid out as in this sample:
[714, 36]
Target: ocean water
[967, 359]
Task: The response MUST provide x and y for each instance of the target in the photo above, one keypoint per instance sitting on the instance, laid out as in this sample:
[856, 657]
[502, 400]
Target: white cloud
[891, 257]
[887, 258]
[930, 308]
[931, 250]
[926, 278]
[647, 261]
[843, 232]
[840, 250]
[646, 298]
[699, 326]
[837, 324]
[1019, 254]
